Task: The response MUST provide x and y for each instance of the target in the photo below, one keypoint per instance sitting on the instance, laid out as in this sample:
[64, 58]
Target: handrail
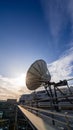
[65, 116]
[54, 119]
[49, 112]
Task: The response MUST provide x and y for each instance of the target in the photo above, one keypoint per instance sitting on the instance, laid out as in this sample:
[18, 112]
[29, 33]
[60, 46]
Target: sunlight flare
[20, 80]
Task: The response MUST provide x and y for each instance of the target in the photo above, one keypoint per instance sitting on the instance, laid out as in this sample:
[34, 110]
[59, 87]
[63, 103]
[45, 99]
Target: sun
[20, 80]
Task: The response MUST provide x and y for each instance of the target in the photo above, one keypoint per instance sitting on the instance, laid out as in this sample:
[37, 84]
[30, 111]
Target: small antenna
[69, 79]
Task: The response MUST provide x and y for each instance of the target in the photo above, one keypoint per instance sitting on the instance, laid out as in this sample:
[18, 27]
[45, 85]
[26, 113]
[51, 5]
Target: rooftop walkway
[37, 121]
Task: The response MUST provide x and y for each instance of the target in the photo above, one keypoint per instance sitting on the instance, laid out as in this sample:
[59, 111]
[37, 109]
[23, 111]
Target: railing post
[53, 121]
[67, 120]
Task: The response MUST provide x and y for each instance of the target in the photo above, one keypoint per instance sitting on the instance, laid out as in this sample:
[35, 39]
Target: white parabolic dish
[37, 74]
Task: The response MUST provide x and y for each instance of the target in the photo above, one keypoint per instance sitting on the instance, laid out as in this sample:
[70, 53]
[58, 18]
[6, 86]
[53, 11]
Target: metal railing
[59, 120]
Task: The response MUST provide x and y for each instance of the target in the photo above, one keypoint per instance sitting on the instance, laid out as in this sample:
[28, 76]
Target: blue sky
[23, 35]
[27, 34]
[35, 29]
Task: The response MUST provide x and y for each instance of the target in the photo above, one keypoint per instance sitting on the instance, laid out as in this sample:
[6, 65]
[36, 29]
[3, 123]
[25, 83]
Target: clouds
[70, 11]
[60, 69]
[59, 15]
[63, 67]
[12, 87]
[55, 17]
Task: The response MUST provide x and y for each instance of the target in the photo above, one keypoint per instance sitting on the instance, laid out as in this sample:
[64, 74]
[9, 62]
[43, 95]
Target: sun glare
[20, 80]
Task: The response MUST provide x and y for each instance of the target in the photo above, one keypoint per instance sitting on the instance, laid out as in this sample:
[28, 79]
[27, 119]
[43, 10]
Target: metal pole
[69, 79]
[49, 96]
[56, 99]
[67, 121]
[52, 101]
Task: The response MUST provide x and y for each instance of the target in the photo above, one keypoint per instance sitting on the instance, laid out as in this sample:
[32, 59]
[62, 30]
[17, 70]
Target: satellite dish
[37, 75]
